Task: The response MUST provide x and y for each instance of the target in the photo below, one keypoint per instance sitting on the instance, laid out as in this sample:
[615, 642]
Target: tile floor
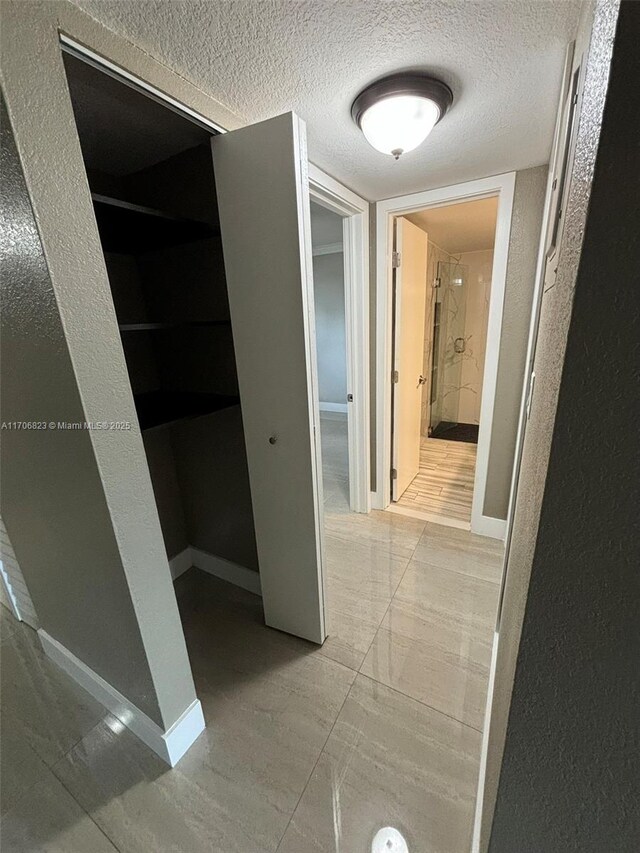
[307, 750]
[444, 485]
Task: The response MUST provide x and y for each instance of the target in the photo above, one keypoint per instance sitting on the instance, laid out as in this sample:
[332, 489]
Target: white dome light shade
[397, 113]
[389, 840]
[399, 124]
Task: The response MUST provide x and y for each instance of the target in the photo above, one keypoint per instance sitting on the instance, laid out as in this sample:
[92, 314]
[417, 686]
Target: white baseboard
[218, 566]
[180, 563]
[376, 501]
[495, 528]
[170, 745]
[226, 570]
[9, 595]
[482, 774]
[334, 407]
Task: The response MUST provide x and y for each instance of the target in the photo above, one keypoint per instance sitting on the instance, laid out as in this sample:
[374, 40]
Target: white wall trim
[9, 593]
[221, 568]
[477, 819]
[328, 249]
[375, 500]
[170, 745]
[181, 563]
[332, 195]
[17, 594]
[334, 407]
[226, 570]
[485, 525]
[492, 354]
[99, 61]
[503, 186]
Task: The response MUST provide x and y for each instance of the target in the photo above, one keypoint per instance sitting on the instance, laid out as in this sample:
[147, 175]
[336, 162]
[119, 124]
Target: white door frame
[331, 194]
[498, 185]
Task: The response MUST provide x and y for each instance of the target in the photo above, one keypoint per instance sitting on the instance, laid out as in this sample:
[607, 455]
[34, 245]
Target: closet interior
[151, 176]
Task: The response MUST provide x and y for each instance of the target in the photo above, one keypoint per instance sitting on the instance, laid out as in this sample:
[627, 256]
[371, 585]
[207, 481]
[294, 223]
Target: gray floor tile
[39, 702]
[269, 701]
[434, 643]
[20, 769]
[390, 762]
[47, 819]
[461, 551]
[361, 580]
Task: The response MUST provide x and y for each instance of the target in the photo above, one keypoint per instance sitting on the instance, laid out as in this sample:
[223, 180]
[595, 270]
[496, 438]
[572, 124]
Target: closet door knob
[273, 439]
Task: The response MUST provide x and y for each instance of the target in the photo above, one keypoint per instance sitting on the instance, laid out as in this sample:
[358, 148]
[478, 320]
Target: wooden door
[263, 199]
[408, 349]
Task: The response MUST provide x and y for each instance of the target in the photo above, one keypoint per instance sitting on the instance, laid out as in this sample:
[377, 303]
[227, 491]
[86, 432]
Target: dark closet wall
[569, 781]
[198, 467]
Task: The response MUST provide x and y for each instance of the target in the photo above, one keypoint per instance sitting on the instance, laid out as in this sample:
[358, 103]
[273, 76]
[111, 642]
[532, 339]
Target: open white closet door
[410, 285]
[263, 199]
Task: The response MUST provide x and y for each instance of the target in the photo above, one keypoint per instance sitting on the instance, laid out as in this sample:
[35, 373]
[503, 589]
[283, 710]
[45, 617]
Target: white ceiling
[466, 227]
[502, 58]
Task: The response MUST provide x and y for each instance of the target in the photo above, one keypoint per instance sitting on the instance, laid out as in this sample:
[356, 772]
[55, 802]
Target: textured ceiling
[503, 61]
[466, 227]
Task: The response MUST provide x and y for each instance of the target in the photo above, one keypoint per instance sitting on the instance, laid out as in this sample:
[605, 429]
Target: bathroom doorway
[446, 269]
[444, 260]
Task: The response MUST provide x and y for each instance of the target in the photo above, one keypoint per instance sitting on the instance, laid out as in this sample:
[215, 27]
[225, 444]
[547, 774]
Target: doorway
[340, 248]
[442, 258]
[331, 343]
[191, 308]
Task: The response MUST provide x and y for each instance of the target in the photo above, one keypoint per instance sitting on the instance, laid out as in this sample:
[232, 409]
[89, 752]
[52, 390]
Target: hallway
[307, 749]
[444, 484]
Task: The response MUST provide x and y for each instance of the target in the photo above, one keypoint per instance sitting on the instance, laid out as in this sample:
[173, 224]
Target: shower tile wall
[460, 391]
[434, 254]
[478, 290]
[452, 332]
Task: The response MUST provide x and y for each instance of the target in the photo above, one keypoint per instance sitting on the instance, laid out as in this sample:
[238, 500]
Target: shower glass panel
[448, 344]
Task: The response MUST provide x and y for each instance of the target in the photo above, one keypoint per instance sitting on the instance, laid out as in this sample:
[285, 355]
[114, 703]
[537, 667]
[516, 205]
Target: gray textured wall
[570, 767]
[524, 241]
[38, 102]
[211, 464]
[52, 498]
[555, 312]
[328, 289]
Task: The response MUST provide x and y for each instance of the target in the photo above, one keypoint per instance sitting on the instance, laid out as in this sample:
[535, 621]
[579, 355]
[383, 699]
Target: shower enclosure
[449, 345]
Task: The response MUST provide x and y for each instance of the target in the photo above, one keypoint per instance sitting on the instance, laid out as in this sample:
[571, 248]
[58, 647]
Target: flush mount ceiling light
[398, 112]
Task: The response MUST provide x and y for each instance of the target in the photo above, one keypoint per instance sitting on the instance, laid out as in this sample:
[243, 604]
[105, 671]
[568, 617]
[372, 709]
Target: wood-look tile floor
[307, 749]
[444, 484]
